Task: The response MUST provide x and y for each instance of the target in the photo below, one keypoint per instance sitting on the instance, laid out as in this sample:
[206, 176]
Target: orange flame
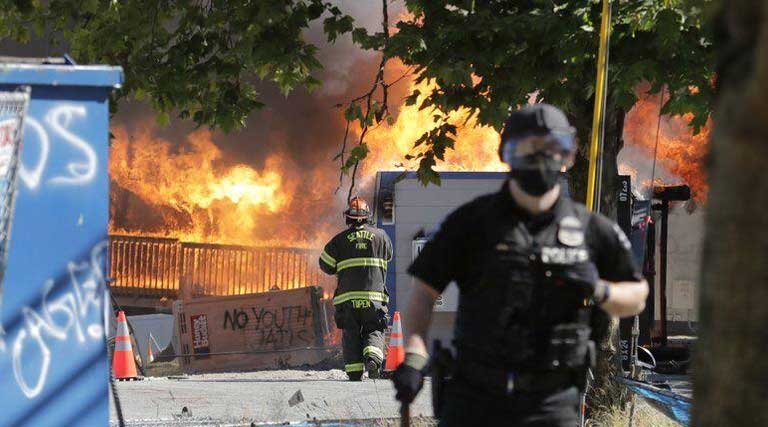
[680, 152]
[476, 147]
[200, 198]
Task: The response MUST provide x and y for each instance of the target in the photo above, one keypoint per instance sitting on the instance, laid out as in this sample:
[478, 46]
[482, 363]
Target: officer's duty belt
[504, 382]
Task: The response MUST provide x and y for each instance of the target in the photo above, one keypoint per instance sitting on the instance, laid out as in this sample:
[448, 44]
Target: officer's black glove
[409, 377]
[598, 290]
[586, 277]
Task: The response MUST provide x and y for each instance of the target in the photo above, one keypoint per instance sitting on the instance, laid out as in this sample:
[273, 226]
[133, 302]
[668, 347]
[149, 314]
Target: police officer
[359, 257]
[532, 267]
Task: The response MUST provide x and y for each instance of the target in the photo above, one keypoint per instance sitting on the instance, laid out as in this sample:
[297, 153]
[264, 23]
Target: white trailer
[407, 211]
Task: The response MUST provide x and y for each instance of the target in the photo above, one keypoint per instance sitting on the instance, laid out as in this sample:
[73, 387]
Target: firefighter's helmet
[358, 210]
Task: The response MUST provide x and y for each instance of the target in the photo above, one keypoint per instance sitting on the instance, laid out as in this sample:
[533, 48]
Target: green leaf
[412, 98]
[426, 174]
[162, 118]
[356, 155]
[668, 26]
[350, 114]
[336, 25]
[422, 139]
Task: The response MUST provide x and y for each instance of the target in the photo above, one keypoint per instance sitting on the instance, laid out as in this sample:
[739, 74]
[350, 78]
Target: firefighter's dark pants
[466, 405]
[363, 323]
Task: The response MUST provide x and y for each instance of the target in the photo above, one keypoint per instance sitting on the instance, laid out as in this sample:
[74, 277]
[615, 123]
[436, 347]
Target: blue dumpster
[54, 368]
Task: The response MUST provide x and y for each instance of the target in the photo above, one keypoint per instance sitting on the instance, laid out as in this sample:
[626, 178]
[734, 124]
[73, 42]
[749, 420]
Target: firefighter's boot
[373, 367]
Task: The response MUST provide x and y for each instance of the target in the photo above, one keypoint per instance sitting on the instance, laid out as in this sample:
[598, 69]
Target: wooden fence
[150, 266]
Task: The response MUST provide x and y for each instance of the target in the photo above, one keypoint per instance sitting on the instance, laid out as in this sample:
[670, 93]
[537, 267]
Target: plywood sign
[279, 329]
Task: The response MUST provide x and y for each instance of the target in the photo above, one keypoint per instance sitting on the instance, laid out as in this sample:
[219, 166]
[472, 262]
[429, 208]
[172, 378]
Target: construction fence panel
[227, 270]
[279, 329]
[146, 266]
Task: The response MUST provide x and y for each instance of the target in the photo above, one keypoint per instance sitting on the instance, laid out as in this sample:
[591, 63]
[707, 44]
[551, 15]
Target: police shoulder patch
[570, 231]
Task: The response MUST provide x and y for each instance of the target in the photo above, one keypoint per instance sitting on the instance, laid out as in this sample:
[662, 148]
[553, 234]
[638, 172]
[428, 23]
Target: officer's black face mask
[536, 173]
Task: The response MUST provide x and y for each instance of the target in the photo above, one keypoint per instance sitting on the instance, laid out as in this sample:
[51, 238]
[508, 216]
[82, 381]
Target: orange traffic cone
[396, 350]
[123, 365]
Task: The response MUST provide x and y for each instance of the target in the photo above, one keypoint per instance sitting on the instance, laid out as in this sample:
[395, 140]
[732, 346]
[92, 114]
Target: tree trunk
[604, 393]
[580, 117]
[613, 142]
[731, 370]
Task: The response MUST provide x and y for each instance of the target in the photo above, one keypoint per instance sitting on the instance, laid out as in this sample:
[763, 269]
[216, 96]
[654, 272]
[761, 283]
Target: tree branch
[341, 157]
[368, 117]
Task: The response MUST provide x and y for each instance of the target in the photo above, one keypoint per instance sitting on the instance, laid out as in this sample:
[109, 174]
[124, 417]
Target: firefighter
[534, 271]
[359, 257]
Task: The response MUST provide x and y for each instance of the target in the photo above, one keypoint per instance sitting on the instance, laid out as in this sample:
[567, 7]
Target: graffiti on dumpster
[65, 306]
[83, 164]
[66, 318]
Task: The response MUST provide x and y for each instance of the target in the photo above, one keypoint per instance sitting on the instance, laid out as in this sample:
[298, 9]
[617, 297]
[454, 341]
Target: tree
[199, 59]
[489, 56]
[486, 57]
[731, 367]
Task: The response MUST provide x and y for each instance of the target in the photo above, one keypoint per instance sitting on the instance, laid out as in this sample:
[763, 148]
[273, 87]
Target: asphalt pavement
[300, 398]
[268, 397]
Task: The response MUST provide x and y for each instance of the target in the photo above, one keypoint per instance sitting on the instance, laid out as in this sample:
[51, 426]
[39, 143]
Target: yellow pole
[598, 117]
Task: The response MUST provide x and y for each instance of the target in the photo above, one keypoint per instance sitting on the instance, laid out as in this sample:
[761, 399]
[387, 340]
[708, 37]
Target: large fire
[475, 149]
[196, 196]
[679, 156]
[201, 198]
[198, 201]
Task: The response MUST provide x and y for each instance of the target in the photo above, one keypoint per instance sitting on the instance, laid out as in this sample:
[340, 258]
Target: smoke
[342, 58]
[637, 162]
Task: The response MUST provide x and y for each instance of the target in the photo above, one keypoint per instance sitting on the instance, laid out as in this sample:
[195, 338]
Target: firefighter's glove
[409, 377]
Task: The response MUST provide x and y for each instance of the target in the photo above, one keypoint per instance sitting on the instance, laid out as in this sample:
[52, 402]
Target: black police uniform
[359, 257]
[522, 306]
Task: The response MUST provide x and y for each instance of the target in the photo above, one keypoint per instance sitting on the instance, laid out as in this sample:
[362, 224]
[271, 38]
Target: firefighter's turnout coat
[358, 256]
